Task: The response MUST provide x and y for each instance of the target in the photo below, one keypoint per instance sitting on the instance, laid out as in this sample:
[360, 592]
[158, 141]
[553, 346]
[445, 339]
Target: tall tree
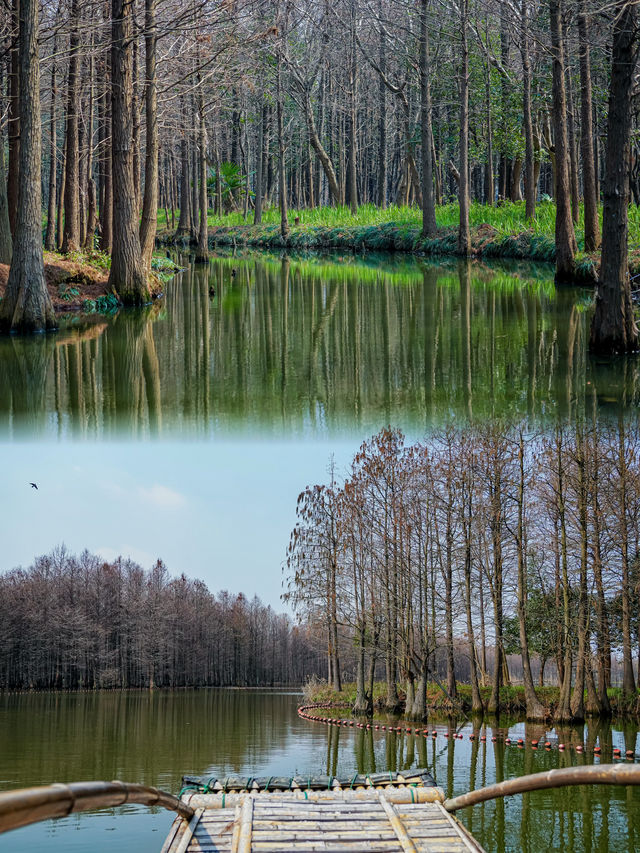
[464, 234]
[428, 199]
[591, 223]
[614, 329]
[127, 276]
[148, 223]
[566, 246]
[26, 306]
[6, 244]
[71, 232]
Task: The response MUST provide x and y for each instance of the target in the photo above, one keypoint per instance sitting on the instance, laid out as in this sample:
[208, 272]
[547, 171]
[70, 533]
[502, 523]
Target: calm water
[312, 348]
[156, 738]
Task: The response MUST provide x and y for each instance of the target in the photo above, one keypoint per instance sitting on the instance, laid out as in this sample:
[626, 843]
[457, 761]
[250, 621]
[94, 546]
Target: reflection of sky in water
[315, 350]
[228, 732]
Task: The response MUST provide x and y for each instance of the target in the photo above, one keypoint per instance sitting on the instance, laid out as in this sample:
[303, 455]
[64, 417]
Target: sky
[221, 511]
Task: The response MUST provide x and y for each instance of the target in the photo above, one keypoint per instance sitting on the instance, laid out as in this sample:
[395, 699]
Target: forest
[479, 542]
[114, 110]
[80, 623]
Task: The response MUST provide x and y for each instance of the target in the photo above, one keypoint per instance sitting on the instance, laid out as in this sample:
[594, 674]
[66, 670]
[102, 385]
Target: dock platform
[394, 815]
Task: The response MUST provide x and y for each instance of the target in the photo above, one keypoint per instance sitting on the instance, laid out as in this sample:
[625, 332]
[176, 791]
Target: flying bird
[33, 486]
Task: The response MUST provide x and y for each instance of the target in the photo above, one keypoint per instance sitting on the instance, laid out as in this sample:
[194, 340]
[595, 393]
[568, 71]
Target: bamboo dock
[382, 819]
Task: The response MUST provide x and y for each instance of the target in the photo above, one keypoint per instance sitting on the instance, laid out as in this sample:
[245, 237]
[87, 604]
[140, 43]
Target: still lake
[316, 347]
[154, 738]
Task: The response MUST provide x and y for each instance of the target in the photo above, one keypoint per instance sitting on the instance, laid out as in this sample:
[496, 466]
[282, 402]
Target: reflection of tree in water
[298, 346]
[147, 737]
[24, 370]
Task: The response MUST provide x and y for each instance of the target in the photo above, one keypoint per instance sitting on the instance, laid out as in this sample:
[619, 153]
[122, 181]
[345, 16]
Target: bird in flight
[34, 486]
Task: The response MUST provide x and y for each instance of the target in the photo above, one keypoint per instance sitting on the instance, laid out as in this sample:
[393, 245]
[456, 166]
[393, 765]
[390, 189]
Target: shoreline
[77, 283]
[512, 703]
[486, 243]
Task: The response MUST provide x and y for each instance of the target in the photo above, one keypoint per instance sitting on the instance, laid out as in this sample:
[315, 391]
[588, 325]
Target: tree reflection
[295, 346]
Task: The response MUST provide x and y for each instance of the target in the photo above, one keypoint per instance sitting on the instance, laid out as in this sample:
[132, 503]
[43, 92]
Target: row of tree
[341, 101]
[69, 623]
[491, 538]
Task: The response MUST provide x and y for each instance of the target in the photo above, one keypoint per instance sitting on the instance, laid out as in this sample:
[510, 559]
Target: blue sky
[221, 511]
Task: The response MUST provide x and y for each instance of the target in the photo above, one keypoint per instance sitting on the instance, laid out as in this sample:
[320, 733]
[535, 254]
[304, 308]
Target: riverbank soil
[74, 280]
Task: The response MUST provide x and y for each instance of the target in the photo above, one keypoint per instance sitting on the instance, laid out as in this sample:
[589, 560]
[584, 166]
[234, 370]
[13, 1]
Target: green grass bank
[496, 232]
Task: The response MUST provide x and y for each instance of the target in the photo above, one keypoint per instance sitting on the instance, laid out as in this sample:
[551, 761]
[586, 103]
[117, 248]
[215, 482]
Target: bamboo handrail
[31, 805]
[593, 774]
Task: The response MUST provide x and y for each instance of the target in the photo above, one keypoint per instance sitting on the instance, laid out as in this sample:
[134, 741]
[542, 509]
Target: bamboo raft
[386, 812]
[382, 812]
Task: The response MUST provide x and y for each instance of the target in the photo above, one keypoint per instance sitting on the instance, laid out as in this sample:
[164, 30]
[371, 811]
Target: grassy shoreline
[512, 699]
[496, 232]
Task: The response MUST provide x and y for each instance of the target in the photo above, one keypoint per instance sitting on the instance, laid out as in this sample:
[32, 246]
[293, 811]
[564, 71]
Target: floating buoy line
[309, 712]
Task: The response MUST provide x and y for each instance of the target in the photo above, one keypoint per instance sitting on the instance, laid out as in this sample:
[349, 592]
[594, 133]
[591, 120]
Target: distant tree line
[82, 622]
[490, 538]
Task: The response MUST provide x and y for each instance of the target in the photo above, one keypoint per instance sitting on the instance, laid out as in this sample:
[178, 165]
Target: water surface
[270, 346]
[154, 738]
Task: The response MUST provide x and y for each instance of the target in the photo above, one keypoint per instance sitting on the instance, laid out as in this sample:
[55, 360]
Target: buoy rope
[305, 712]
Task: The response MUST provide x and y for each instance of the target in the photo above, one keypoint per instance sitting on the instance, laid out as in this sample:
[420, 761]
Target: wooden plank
[300, 825]
[467, 839]
[178, 826]
[382, 833]
[403, 837]
[246, 828]
[362, 846]
[183, 845]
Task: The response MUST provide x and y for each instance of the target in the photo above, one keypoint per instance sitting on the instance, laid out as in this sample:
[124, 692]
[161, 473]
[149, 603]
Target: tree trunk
[26, 306]
[127, 276]
[202, 251]
[282, 182]
[71, 230]
[529, 157]
[257, 210]
[184, 223]
[382, 121]
[352, 186]
[6, 243]
[535, 710]
[628, 679]
[316, 144]
[464, 235]
[613, 329]
[428, 201]
[591, 223]
[50, 236]
[149, 221]
[13, 123]
[566, 246]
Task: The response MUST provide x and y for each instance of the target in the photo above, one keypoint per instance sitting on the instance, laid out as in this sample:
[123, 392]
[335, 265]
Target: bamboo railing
[592, 774]
[30, 805]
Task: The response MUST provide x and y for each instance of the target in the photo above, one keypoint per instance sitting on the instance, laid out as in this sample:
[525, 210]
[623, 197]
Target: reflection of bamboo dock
[381, 812]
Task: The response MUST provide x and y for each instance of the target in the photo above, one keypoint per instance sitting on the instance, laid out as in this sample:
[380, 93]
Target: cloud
[161, 496]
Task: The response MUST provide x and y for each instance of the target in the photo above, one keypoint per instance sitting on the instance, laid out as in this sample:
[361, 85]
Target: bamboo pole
[400, 795]
[594, 774]
[30, 805]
